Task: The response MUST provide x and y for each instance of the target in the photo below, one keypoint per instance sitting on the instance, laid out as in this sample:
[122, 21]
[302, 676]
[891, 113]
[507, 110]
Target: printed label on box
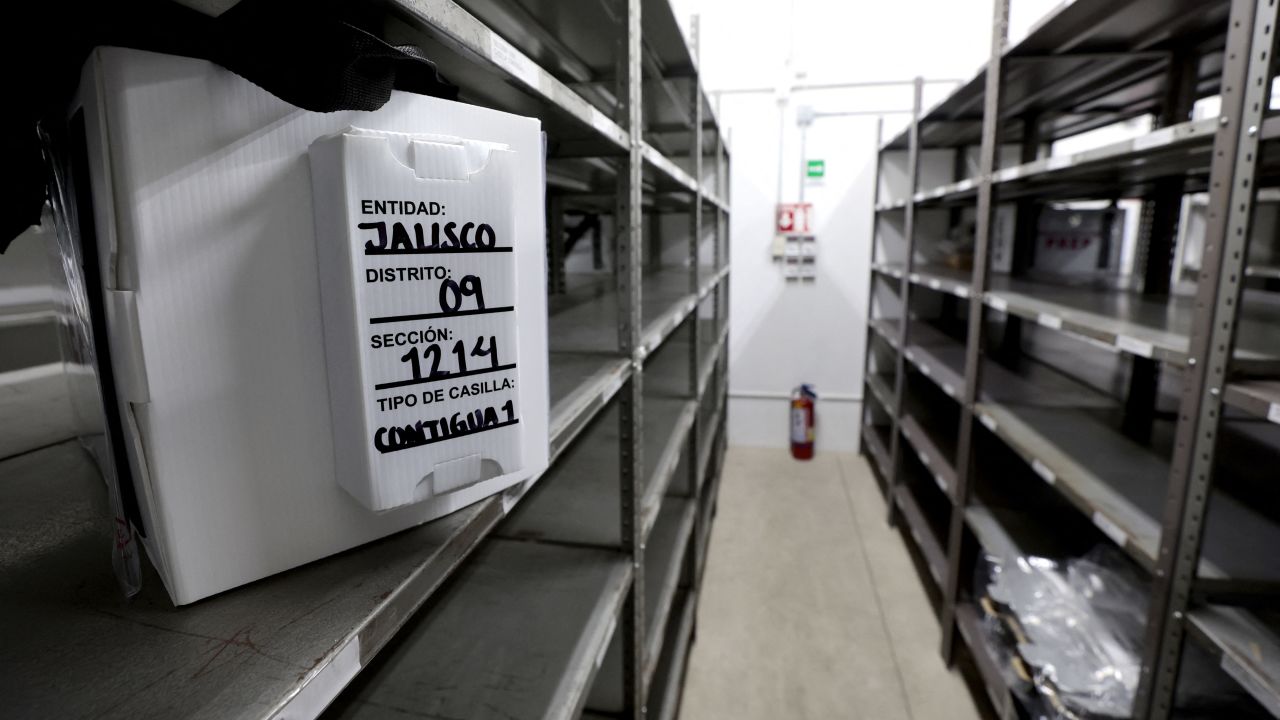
[419, 298]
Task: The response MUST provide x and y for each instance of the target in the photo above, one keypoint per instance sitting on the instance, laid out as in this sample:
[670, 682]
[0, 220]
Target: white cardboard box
[202, 201]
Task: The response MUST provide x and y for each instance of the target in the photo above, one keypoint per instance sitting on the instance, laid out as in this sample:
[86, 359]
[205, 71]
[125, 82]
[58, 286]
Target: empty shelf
[300, 627]
[495, 73]
[578, 500]
[941, 278]
[938, 461]
[1247, 646]
[881, 390]
[1087, 64]
[877, 449]
[1121, 486]
[1116, 482]
[668, 681]
[935, 556]
[942, 362]
[289, 640]
[1260, 397]
[1010, 533]
[663, 564]
[519, 632]
[887, 329]
[1149, 327]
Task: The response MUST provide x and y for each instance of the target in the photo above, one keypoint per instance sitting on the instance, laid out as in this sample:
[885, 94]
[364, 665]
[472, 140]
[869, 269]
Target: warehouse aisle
[811, 607]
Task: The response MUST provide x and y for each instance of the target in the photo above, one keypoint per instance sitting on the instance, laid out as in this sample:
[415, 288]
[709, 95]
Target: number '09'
[451, 293]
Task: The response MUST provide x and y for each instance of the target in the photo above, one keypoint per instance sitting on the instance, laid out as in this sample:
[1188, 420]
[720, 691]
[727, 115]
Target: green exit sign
[816, 168]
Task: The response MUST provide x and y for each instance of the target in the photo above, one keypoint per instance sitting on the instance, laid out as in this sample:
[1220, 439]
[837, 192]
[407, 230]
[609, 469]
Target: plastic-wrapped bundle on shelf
[1076, 626]
[1066, 635]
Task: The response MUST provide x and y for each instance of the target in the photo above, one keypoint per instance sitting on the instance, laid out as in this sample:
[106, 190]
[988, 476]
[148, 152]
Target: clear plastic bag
[1080, 627]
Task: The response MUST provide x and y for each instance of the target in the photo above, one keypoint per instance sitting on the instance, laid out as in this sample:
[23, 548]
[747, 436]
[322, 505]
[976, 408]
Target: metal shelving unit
[572, 593]
[1140, 409]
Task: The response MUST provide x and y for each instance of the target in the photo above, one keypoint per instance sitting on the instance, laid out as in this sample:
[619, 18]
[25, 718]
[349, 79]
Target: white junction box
[324, 327]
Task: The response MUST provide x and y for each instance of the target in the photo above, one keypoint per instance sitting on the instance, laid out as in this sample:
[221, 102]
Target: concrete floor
[811, 607]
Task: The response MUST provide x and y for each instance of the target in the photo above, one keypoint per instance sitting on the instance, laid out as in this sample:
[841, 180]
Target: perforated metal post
[697, 433]
[871, 295]
[630, 398]
[904, 294]
[1246, 82]
[988, 154]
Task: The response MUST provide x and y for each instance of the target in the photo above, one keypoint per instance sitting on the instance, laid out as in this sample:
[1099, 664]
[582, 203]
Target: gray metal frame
[1209, 338]
[904, 296]
[1246, 87]
[631, 401]
[973, 346]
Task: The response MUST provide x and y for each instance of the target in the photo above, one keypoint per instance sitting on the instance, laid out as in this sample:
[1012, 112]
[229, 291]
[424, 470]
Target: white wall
[786, 333]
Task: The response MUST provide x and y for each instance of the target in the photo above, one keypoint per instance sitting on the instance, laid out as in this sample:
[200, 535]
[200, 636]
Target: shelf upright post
[723, 258]
[630, 398]
[987, 158]
[871, 293]
[1026, 226]
[697, 434]
[904, 295]
[1247, 74]
[1157, 232]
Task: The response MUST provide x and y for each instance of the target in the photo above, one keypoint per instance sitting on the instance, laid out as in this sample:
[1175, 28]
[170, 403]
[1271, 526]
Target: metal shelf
[949, 194]
[1121, 485]
[887, 329]
[1127, 321]
[881, 390]
[941, 359]
[289, 641]
[970, 626]
[287, 645]
[668, 301]
[877, 449]
[1124, 167]
[1247, 647]
[664, 557]
[491, 71]
[1259, 397]
[669, 678]
[317, 618]
[936, 461]
[941, 362]
[519, 631]
[575, 502]
[1269, 272]
[935, 277]
[935, 555]
[584, 319]
[1139, 325]
[715, 425]
[1087, 64]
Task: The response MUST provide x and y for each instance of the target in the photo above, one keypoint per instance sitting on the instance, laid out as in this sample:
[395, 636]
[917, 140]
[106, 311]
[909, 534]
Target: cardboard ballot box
[322, 327]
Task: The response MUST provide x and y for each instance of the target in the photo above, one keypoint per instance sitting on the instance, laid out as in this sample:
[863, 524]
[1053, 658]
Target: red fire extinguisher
[802, 405]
